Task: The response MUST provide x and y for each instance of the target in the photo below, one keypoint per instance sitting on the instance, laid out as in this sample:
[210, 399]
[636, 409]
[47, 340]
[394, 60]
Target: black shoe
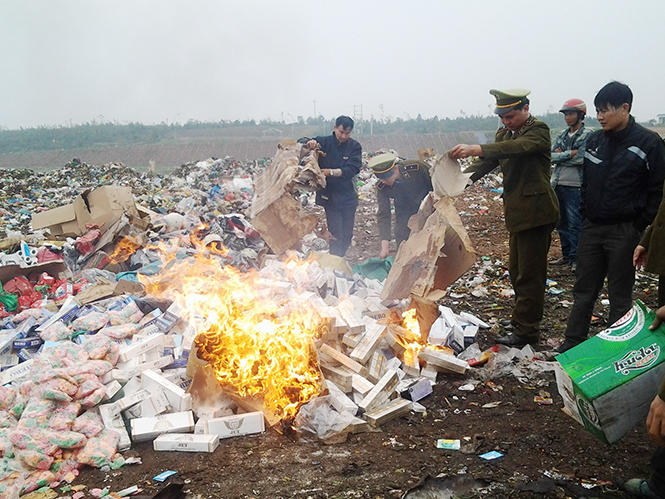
[565, 346]
[559, 262]
[573, 266]
[638, 487]
[512, 340]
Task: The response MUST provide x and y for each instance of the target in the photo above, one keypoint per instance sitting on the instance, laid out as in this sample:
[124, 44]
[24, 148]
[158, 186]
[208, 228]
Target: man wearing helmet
[567, 158]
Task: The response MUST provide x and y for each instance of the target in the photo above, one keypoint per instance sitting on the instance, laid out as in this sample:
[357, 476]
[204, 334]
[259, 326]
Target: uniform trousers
[604, 250]
[527, 266]
[340, 220]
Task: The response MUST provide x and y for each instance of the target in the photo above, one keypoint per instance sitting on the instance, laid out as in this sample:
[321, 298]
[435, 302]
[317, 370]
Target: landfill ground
[545, 453]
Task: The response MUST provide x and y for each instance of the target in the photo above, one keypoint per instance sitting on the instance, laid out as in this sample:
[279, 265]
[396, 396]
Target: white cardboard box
[232, 426]
[186, 442]
[148, 428]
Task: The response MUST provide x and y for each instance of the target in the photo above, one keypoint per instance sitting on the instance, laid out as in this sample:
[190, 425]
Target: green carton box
[608, 382]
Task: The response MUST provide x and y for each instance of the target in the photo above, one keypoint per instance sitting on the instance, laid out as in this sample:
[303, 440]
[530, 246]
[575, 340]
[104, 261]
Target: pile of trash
[101, 336]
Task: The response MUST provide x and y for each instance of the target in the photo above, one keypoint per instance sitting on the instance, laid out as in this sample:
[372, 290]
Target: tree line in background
[94, 134]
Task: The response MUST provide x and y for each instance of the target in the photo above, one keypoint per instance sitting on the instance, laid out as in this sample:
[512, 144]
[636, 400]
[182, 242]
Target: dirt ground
[546, 453]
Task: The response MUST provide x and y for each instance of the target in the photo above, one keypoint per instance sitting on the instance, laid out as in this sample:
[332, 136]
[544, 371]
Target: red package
[46, 255]
[79, 286]
[86, 243]
[64, 290]
[19, 285]
[46, 280]
[26, 301]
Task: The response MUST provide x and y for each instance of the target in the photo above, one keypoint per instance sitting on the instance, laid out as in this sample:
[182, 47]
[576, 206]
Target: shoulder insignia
[380, 186]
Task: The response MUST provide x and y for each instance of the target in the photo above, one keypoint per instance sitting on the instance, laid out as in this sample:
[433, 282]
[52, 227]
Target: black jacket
[408, 192]
[623, 176]
[339, 191]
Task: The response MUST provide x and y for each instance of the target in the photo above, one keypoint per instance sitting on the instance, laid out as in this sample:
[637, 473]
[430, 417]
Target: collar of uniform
[529, 121]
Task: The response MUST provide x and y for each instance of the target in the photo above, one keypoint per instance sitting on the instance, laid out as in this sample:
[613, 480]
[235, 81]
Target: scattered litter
[543, 398]
[488, 456]
[164, 475]
[449, 444]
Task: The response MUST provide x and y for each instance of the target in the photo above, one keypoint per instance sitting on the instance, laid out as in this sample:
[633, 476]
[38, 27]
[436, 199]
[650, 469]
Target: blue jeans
[571, 220]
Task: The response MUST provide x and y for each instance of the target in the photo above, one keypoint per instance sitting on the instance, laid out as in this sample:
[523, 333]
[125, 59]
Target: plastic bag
[319, 418]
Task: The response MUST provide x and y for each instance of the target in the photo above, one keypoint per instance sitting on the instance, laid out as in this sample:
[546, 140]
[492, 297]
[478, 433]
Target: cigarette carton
[178, 399]
[148, 428]
[232, 426]
[608, 382]
[185, 442]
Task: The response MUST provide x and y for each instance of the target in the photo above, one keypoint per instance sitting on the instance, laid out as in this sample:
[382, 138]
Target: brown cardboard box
[101, 206]
[436, 254]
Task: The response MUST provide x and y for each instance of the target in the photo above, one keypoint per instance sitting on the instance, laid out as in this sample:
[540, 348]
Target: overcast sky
[153, 61]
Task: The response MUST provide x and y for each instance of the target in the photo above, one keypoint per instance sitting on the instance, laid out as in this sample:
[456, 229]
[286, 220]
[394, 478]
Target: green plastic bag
[9, 301]
[374, 268]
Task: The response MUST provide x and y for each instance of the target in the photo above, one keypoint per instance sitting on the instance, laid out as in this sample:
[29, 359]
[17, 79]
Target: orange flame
[125, 248]
[258, 345]
[413, 347]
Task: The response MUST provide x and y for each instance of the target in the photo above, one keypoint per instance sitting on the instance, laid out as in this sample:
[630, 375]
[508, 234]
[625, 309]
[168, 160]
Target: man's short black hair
[614, 94]
[521, 105]
[345, 122]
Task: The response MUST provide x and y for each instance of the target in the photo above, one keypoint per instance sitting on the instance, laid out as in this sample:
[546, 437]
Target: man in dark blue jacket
[340, 165]
[622, 186]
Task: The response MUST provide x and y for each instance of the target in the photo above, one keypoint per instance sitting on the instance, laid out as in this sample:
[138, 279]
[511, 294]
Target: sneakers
[560, 262]
[638, 487]
[512, 340]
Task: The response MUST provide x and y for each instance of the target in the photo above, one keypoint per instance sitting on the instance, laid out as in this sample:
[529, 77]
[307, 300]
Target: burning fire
[414, 343]
[125, 248]
[258, 342]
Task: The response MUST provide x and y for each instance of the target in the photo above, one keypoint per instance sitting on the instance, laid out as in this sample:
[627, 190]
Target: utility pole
[315, 109]
[358, 117]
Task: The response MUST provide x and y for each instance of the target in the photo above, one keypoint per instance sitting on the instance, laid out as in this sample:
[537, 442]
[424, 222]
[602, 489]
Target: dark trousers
[604, 250]
[657, 480]
[568, 226]
[527, 266]
[340, 225]
[661, 291]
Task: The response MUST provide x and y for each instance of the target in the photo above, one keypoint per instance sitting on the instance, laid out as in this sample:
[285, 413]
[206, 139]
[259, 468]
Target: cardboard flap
[101, 206]
[56, 216]
[436, 254]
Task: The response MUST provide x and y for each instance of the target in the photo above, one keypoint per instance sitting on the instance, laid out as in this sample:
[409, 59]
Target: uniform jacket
[623, 176]
[407, 192]
[562, 159]
[524, 157]
[339, 191]
[654, 241]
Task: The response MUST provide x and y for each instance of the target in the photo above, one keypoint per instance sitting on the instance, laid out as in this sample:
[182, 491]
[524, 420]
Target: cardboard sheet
[436, 254]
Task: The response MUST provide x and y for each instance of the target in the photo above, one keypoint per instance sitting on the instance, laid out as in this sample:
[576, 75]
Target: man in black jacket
[340, 164]
[622, 186]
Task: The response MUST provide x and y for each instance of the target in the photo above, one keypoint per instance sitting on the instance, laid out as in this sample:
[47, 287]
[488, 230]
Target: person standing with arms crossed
[567, 158]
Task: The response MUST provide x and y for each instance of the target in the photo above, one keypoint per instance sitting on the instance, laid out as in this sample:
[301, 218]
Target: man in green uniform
[522, 150]
[406, 182]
